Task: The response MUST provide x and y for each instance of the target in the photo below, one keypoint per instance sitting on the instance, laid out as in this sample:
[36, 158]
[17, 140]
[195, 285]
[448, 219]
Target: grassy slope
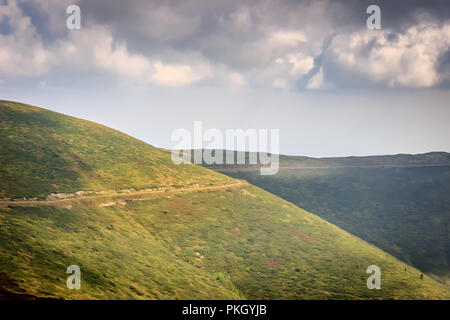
[43, 151]
[232, 243]
[236, 243]
[403, 210]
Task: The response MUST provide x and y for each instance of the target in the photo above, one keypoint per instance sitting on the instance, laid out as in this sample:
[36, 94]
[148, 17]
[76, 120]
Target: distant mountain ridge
[398, 202]
[404, 160]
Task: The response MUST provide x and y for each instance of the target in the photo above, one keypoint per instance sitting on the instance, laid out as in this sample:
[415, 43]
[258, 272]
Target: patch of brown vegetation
[181, 205]
[271, 263]
[303, 236]
[138, 160]
[237, 232]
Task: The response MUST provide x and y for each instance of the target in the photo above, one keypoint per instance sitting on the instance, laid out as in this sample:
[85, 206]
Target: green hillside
[43, 152]
[399, 203]
[203, 237]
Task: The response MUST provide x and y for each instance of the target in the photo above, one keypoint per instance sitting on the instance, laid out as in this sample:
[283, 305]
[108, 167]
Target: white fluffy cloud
[116, 59]
[178, 75]
[21, 51]
[287, 38]
[408, 59]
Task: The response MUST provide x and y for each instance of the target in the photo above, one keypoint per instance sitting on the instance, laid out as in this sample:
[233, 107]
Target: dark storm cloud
[396, 15]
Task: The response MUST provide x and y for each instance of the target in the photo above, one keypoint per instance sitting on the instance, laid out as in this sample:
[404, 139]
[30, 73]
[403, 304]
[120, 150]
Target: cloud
[176, 75]
[280, 83]
[407, 59]
[287, 38]
[98, 46]
[316, 82]
[236, 79]
[21, 50]
[23, 53]
[300, 64]
[53, 11]
[115, 58]
[282, 44]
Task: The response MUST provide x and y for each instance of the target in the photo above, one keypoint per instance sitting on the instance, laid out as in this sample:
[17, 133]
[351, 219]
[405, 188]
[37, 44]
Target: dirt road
[124, 195]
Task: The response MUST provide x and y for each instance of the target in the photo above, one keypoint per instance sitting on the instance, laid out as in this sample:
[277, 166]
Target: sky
[311, 69]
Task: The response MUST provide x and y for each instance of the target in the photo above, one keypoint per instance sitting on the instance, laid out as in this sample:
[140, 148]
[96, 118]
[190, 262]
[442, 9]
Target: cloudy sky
[309, 68]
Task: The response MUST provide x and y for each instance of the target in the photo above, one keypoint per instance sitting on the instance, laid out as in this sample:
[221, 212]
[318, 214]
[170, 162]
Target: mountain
[399, 203]
[140, 227]
[51, 152]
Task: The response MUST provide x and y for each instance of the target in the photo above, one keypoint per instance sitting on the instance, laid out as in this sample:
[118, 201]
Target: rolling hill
[51, 152]
[399, 203]
[141, 227]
